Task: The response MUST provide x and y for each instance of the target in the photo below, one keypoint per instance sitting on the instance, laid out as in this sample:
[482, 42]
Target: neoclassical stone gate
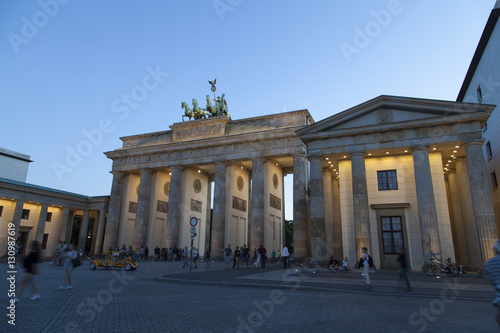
[380, 175]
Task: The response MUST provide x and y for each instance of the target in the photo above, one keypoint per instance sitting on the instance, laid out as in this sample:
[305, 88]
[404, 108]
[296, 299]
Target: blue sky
[66, 67]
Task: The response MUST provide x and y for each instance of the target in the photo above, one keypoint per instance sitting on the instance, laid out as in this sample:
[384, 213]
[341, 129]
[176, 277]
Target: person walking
[245, 254]
[262, 253]
[493, 267]
[207, 258]
[403, 271]
[69, 255]
[227, 255]
[31, 267]
[366, 265]
[185, 255]
[236, 258]
[284, 256]
[195, 257]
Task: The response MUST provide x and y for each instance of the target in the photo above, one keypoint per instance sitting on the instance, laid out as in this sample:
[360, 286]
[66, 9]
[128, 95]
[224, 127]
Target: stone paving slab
[119, 301]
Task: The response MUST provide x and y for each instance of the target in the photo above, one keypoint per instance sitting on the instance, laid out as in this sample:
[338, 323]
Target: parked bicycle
[434, 267]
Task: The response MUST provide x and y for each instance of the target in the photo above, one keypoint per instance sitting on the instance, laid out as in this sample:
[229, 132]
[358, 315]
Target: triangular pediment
[385, 112]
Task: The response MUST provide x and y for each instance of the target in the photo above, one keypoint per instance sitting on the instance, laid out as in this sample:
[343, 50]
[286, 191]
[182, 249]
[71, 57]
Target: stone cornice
[398, 126]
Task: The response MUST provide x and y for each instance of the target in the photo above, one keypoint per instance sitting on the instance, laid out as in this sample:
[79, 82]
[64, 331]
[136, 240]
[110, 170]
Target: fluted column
[219, 211]
[100, 232]
[431, 245]
[317, 190]
[18, 213]
[257, 206]
[460, 236]
[142, 215]
[300, 237]
[481, 200]
[208, 217]
[114, 208]
[69, 230]
[174, 209]
[64, 224]
[328, 200]
[337, 220]
[42, 218]
[82, 239]
[360, 203]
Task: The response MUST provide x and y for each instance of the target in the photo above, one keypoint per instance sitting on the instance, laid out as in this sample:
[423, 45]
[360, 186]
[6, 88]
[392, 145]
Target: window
[489, 152]
[44, 241]
[387, 180]
[49, 217]
[494, 181]
[26, 214]
[392, 233]
[1, 210]
[479, 94]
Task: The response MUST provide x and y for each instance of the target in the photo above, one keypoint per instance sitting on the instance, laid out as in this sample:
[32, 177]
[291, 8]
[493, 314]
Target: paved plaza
[163, 297]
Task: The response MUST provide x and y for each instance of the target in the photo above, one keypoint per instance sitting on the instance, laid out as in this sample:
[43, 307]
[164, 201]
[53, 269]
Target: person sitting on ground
[345, 264]
[333, 264]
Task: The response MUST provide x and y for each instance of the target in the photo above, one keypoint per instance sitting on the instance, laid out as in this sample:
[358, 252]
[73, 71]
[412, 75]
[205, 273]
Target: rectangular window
[49, 217]
[479, 94]
[392, 233]
[1, 210]
[489, 152]
[494, 181]
[26, 214]
[387, 180]
[44, 241]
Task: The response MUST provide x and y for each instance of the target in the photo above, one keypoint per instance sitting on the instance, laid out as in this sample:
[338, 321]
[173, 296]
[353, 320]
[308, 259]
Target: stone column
[100, 232]
[481, 200]
[427, 213]
[300, 236]
[18, 213]
[174, 209]
[460, 235]
[257, 210]
[64, 224]
[219, 211]
[360, 203]
[70, 227]
[82, 239]
[328, 200]
[42, 218]
[142, 216]
[208, 216]
[317, 190]
[114, 208]
[337, 220]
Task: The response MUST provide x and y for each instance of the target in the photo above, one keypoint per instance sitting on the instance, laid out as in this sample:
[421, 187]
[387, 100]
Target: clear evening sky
[75, 76]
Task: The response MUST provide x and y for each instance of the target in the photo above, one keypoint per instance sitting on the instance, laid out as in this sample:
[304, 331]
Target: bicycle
[434, 266]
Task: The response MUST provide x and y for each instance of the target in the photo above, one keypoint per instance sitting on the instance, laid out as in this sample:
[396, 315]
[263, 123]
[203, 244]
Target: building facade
[376, 175]
[482, 85]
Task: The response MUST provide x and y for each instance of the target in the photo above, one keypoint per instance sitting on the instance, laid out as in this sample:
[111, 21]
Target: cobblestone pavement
[151, 299]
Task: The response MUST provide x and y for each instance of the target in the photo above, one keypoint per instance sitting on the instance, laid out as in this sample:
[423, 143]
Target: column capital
[117, 173]
[259, 159]
[361, 153]
[302, 154]
[474, 142]
[142, 170]
[417, 148]
[315, 157]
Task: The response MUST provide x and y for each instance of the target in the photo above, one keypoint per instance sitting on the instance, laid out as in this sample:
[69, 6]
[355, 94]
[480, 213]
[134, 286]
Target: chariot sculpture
[217, 110]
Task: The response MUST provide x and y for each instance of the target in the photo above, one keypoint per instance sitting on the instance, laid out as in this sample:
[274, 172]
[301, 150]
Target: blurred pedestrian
[31, 267]
[284, 255]
[493, 267]
[69, 255]
[403, 271]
